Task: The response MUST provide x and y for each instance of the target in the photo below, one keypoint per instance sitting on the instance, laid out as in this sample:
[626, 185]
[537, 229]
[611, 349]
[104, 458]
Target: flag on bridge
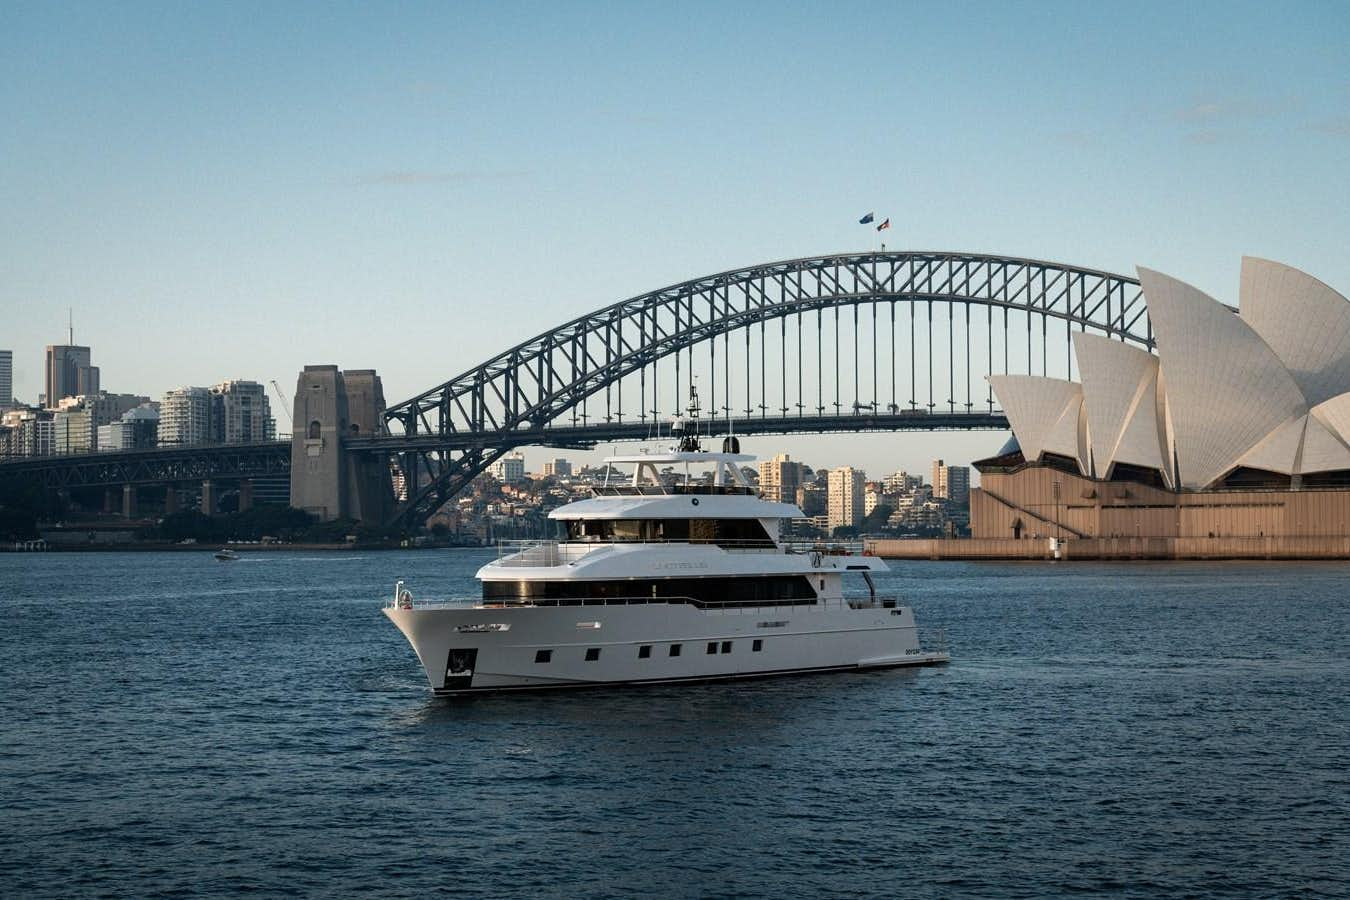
[884, 225]
[865, 219]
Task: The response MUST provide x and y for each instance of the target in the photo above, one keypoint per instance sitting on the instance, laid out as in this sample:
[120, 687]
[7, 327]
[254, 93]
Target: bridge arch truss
[836, 337]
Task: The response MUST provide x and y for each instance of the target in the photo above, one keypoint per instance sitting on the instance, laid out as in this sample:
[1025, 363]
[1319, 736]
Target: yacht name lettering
[771, 624]
[680, 565]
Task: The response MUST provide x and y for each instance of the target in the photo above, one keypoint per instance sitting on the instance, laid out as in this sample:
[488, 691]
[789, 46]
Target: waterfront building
[185, 417]
[510, 468]
[1239, 426]
[558, 468]
[951, 482]
[68, 373]
[6, 379]
[779, 478]
[845, 504]
[240, 413]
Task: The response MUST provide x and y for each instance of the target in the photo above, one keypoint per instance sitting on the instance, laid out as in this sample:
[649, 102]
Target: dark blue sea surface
[176, 726]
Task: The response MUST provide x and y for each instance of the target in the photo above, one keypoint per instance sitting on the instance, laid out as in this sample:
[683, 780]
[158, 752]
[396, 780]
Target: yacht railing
[561, 553]
[660, 490]
[541, 553]
[932, 640]
[825, 548]
[728, 606]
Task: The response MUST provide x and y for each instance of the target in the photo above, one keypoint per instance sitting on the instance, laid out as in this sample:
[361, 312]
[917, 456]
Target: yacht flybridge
[662, 579]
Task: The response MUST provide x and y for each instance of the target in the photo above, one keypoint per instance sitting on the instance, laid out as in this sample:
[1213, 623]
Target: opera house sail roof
[1265, 389]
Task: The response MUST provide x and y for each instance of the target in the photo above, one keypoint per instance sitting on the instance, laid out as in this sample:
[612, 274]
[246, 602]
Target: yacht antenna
[689, 440]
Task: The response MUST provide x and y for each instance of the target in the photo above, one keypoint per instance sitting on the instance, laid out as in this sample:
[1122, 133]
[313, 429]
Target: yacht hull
[472, 648]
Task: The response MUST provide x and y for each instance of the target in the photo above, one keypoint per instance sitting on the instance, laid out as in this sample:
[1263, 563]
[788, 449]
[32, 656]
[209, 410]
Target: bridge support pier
[246, 495]
[128, 501]
[170, 499]
[110, 501]
[209, 497]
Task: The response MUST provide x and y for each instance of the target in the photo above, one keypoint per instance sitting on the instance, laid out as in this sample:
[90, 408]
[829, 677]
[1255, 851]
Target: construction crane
[285, 404]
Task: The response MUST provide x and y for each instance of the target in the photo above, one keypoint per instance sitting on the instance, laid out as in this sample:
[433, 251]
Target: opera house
[1238, 428]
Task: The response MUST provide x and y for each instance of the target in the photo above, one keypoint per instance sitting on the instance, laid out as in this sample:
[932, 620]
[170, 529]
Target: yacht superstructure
[658, 582]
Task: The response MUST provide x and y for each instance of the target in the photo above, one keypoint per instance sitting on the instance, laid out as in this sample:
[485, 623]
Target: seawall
[1115, 548]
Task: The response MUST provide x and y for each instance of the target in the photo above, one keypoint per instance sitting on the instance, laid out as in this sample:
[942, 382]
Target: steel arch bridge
[616, 372]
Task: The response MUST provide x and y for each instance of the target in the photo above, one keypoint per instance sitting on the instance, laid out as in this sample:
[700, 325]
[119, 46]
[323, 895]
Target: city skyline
[294, 206]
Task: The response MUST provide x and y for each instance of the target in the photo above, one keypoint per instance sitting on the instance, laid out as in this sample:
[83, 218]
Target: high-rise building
[509, 468]
[185, 417]
[6, 379]
[951, 482]
[26, 432]
[73, 428]
[241, 414]
[69, 373]
[846, 496]
[558, 468]
[137, 429]
[779, 478]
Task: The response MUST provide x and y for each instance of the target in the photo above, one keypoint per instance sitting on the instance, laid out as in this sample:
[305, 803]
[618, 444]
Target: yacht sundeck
[660, 582]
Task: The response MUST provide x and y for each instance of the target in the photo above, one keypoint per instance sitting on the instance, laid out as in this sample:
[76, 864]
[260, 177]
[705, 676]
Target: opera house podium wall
[1041, 501]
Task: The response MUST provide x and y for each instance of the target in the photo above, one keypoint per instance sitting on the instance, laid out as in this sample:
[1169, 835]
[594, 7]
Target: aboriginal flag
[884, 225]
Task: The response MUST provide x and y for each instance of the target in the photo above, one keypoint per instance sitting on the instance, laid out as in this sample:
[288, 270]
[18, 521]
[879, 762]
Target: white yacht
[659, 582]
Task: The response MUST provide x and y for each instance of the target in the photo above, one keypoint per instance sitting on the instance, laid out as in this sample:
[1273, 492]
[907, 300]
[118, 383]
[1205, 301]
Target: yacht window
[592, 654]
[675, 649]
[757, 646]
[725, 532]
[726, 646]
[774, 590]
[645, 651]
[543, 656]
[712, 646]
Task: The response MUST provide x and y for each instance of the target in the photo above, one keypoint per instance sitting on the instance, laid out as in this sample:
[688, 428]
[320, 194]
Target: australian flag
[865, 220]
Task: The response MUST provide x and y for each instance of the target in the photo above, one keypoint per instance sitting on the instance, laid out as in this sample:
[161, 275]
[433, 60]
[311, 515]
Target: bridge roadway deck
[585, 437]
[161, 465]
[156, 465]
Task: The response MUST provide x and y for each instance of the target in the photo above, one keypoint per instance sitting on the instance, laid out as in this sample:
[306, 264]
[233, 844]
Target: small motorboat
[225, 554]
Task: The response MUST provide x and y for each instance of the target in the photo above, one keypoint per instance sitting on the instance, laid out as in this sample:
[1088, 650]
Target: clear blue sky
[236, 190]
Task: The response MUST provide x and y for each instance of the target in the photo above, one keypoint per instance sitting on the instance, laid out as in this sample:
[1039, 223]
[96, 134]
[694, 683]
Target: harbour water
[174, 725]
